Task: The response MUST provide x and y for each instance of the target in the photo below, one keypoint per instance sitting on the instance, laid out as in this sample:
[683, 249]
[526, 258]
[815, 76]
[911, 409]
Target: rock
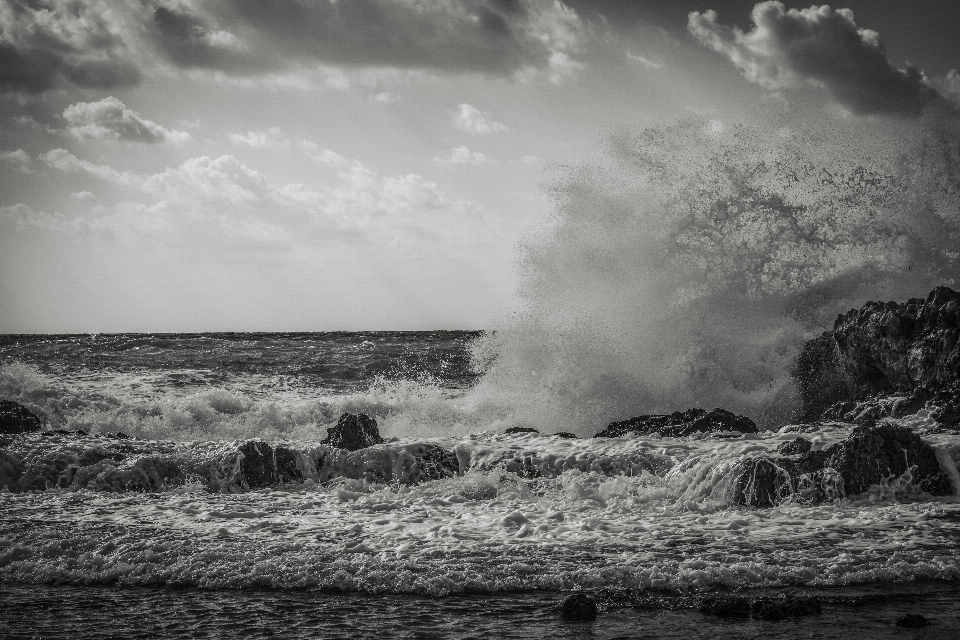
[353, 432]
[883, 349]
[16, 418]
[265, 466]
[565, 434]
[795, 447]
[681, 423]
[521, 430]
[578, 607]
[388, 462]
[870, 455]
[912, 621]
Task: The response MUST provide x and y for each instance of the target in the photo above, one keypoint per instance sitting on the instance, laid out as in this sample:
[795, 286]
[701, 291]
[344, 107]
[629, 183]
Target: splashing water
[689, 265]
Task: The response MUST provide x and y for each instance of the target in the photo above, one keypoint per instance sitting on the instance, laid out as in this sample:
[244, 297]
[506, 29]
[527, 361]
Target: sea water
[685, 267]
[484, 554]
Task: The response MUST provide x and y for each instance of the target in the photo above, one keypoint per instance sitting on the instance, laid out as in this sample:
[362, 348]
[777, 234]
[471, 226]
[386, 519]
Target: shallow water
[78, 613]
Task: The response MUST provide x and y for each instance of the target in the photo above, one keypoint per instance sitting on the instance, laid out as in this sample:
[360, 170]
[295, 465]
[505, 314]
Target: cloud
[644, 61]
[110, 119]
[63, 160]
[82, 195]
[461, 155]
[46, 44]
[818, 46]
[19, 160]
[326, 157]
[205, 200]
[272, 138]
[244, 37]
[384, 97]
[469, 118]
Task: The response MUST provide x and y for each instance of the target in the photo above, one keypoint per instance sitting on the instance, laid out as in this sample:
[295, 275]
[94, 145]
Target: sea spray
[689, 264]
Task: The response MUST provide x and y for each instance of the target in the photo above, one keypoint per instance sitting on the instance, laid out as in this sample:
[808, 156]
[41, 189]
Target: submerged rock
[353, 432]
[908, 350]
[779, 607]
[885, 454]
[912, 621]
[578, 607]
[681, 423]
[16, 418]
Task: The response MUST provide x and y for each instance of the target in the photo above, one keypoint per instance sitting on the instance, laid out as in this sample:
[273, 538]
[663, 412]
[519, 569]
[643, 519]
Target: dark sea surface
[89, 553]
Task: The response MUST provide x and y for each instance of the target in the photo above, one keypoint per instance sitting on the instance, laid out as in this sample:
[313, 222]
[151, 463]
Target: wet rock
[263, 465]
[16, 418]
[884, 349]
[11, 468]
[387, 463]
[521, 430]
[681, 423]
[795, 447]
[578, 607]
[912, 621]
[870, 455]
[565, 434]
[353, 432]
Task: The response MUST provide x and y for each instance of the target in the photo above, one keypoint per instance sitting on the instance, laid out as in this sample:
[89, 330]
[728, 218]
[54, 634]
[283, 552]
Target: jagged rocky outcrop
[879, 454]
[909, 350]
[16, 418]
[681, 423]
[353, 432]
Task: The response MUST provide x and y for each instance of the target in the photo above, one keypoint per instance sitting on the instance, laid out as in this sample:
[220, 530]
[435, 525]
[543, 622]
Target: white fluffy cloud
[469, 118]
[110, 119]
[212, 197]
[272, 138]
[819, 46]
[461, 155]
[19, 160]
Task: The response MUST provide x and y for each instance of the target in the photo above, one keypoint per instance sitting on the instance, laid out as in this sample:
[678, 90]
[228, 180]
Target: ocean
[683, 267]
[486, 554]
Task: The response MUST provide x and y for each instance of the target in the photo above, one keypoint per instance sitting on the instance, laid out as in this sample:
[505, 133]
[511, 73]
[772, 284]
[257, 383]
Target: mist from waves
[689, 264]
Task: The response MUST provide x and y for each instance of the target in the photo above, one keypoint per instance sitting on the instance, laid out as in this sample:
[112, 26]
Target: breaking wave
[688, 265]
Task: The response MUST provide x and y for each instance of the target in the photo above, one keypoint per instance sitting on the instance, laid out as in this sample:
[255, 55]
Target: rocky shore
[878, 365]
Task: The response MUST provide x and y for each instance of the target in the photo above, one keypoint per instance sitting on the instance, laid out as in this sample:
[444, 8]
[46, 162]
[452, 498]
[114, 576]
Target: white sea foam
[688, 266]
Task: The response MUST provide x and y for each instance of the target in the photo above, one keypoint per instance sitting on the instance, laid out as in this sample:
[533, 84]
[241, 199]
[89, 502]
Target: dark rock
[433, 462]
[353, 432]
[521, 430]
[265, 466]
[16, 418]
[119, 435]
[681, 423]
[726, 605]
[885, 349]
[779, 607]
[565, 434]
[821, 379]
[795, 447]
[870, 455]
[578, 607]
[912, 621]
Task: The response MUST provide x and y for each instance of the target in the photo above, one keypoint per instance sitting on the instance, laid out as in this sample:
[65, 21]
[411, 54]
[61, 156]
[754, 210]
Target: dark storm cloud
[250, 36]
[45, 44]
[820, 46]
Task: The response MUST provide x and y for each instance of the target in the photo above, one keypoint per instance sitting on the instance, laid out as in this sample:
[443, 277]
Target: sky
[294, 165]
